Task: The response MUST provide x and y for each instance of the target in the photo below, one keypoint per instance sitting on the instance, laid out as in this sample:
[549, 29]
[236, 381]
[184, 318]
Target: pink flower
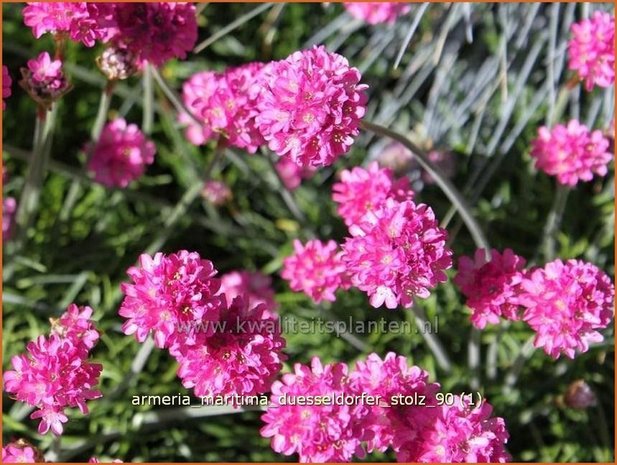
[226, 104]
[169, 296]
[311, 106]
[216, 192]
[253, 286]
[457, 433]
[366, 190]
[291, 174]
[573, 153]
[317, 433]
[55, 373]
[565, 303]
[491, 285]
[242, 356]
[21, 451]
[44, 79]
[316, 269]
[81, 21]
[96, 460]
[390, 379]
[120, 155]
[6, 85]
[155, 32]
[591, 50]
[397, 253]
[241, 129]
[76, 325]
[9, 207]
[196, 93]
[377, 12]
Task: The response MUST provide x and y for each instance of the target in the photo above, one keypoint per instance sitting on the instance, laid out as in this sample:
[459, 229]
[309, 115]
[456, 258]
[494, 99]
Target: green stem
[473, 357]
[432, 341]
[37, 168]
[458, 201]
[553, 222]
[101, 115]
[148, 115]
[173, 97]
[231, 26]
[441, 179]
[286, 195]
[515, 370]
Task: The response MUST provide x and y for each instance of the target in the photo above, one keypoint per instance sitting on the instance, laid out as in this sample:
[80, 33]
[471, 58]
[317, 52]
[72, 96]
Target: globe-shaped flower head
[572, 153]
[311, 106]
[565, 304]
[120, 155]
[591, 50]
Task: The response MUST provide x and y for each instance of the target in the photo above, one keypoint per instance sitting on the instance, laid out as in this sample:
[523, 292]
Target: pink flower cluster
[491, 285]
[241, 357]
[361, 191]
[325, 433]
[377, 12]
[44, 79]
[396, 250]
[457, 433]
[21, 451]
[311, 106]
[169, 291]
[83, 22]
[397, 253]
[335, 431]
[56, 373]
[226, 106]
[306, 108]
[223, 346]
[154, 32]
[6, 85]
[120, 155]
[316, 269]
[572, 153]
[565, 303]
[591, 50]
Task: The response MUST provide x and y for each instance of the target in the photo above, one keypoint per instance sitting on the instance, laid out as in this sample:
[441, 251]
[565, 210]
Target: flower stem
[287, 196]
[29, 199]
[432, 341]
[231, 26]
[101, 115]
[459, 202]
[525, 353]
[442, 181]
[148, 115]
[173, 97]
[553, 222]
